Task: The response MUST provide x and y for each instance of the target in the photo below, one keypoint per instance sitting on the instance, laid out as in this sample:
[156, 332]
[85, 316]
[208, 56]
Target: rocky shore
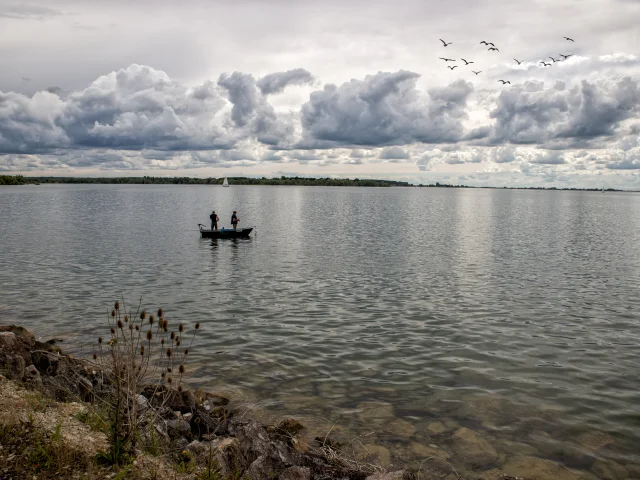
[193, 430]
[193, 434]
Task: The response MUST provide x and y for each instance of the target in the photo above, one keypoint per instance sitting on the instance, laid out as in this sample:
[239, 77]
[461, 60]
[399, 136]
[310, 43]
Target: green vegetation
[324, 182]
[12, 180]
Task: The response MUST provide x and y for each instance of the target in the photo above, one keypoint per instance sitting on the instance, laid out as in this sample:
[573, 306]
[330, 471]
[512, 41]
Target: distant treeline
[324, 182]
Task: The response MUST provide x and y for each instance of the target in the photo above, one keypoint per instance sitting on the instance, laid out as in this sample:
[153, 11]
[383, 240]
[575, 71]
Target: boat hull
[225, 233]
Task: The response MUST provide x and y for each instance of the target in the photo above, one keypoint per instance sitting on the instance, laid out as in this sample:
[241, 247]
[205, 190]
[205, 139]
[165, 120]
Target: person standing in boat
[234, 220]
[214, 220]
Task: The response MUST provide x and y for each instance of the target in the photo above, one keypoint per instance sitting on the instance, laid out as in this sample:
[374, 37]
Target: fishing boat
[224, 232]
[225, 183]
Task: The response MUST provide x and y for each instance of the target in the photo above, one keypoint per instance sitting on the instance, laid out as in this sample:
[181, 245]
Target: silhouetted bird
[570, 39]
[493, 48]
[565, 56]
[445, 43]
[546, 64]
[466, 62]
[554, 60]
[455, 66]
[505, 81]
[487, 43]
[519, 62]
[476, 72]
[447, 59]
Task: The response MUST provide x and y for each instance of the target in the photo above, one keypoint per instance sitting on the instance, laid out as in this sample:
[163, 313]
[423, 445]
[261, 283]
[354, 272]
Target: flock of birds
[493, 48]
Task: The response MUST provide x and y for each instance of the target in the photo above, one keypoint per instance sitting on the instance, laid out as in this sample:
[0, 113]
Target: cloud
[277, 82]
[394, 153]
[384, 109]
[532, 114]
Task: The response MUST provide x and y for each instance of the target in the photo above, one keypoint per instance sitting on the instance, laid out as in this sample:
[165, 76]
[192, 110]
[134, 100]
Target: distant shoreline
[286, 181]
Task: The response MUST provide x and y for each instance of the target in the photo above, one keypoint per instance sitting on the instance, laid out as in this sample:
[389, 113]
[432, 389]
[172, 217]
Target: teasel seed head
[131, 326]
[198, 326]
[169, 353]
[181, 369]
[169, 369]
[165, 324]
[113, 331]
[126, 318]
[117, 305]
[162, 342]
[181, 328]
[149, 335]
[160, 312]
[95, 357]
[186, 351]
[173, 335]
[163, 374]
[141, 349]
[169, 379]
[120, 324]
[178, 343]
[113, 313]
[143, 315]
[99, 339]
[151, 319]
[180, 388]
[137, 328]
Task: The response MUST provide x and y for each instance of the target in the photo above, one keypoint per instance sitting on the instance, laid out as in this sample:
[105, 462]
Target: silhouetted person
[234, 220]
[214, 220]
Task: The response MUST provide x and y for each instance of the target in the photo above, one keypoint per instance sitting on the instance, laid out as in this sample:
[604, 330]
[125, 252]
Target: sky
[324, 88]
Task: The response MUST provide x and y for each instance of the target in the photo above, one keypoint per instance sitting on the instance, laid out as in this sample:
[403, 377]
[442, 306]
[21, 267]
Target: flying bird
[546, 64]
[476, 72]
[445, 43]
[466, 62]
[566, 56]
[488, 43]
[569, 39]
[447, 59]
[505, 81]
[455, 66]
[554, 60]
[493, 48]
[519, 62]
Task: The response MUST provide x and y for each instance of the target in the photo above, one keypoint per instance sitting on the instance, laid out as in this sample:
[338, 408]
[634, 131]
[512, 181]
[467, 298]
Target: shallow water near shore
[402, 314]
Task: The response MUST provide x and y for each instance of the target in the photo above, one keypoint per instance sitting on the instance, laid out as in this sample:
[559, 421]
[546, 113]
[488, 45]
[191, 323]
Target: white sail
[225, 183]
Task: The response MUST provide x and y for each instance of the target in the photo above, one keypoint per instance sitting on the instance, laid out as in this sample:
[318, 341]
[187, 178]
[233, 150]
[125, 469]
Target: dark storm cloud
[532, 114]
[384, 109]
[277, 82]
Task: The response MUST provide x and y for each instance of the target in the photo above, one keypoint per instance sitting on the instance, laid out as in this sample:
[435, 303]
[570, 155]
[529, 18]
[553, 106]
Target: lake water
[401, 313]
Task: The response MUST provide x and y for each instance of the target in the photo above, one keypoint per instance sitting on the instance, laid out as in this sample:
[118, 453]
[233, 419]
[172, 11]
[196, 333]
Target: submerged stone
[533, 468]
[473, 450]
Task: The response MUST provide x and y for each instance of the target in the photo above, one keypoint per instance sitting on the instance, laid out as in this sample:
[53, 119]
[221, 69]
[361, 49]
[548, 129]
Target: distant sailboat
[225, 183]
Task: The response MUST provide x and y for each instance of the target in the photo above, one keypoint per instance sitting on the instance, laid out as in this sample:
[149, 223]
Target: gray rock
[32, 375]
[196, 447]
[296, 473]
[474, 451]
[178, 428]
[397, 475]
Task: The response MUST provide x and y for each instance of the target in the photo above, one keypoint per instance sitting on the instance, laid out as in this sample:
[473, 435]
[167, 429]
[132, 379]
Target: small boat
[224, 232]
[225, 183]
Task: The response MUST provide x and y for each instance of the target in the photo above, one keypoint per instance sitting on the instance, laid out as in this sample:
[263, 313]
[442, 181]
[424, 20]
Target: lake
[400, 314]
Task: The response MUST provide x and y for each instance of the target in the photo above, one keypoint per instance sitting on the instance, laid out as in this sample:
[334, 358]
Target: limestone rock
[290, 426]
[401, 428]
[381, 454]
[609, 470]
[32, 375]
[425, 451]
[533, 468]
[375, 413]
[473, 450]
[594, 441]
[397, 475]
[178, 428]
[436, 428]
[296, 473]
[226, 453]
